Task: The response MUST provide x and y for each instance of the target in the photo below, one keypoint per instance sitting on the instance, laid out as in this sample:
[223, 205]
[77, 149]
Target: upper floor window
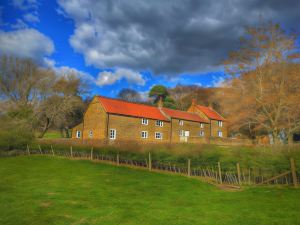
[112, 134]
[158, 135]
[220, 123]
[220, 134]
[181, 133]
[201, 133]
[78, 134]
[159, 123]
[90, 134]
[145, 121]
[181, 122]
[144, 134]
[202, 125]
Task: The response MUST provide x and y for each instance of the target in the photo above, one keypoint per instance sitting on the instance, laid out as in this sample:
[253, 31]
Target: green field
[43, 190]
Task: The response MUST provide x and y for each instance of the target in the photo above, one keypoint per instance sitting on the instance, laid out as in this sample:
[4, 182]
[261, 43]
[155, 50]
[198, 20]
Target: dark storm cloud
[168, 37]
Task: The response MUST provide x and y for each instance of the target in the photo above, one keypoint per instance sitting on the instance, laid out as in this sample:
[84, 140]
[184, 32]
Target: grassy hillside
[44, 190]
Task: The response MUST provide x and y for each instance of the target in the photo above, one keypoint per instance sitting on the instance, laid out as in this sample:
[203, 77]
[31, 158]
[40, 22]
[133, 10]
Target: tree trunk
[45, 128]
[290, 139]
[276, 140]
[67, 132]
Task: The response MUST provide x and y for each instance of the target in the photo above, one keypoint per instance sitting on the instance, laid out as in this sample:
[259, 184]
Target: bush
[15, 133]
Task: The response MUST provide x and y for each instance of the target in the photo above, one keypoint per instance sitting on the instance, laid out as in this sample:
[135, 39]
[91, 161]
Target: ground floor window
[112, 134]
[90, 134]
[144, 134]
[158, 135]
[220, 134]
[78, 134]
[201, 133]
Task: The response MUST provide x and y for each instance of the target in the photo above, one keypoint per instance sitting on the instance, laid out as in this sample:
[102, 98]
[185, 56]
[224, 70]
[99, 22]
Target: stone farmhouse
[110, 120]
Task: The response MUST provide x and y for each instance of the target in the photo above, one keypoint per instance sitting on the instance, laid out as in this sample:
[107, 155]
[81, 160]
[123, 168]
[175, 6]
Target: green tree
[160, 91]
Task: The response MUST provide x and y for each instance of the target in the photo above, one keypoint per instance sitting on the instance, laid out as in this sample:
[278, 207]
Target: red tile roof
[120, 107]
[184, 115]
[210, 113]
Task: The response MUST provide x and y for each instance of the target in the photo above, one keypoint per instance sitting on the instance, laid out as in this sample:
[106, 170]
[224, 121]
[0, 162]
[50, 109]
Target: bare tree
[258, 93]
[22, 81]
[129, 95]
[64, 108]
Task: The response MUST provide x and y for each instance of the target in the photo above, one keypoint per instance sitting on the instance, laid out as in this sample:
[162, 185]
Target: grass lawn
[52, 134]
[42, 190]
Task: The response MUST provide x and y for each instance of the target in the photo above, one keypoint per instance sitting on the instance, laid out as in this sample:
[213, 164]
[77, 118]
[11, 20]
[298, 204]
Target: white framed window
[181, 133]
[181, 122]
[159, 123]
[144, 134]
[220, 123]
[158, 135]
[112, 134]
[186, 133]
[78, 134]
[201, 125]
[90, 134]
[220, 134]
[201, 133]
[145, 121]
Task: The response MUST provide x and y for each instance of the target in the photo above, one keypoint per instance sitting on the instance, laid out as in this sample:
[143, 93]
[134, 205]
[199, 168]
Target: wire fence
[214, 172]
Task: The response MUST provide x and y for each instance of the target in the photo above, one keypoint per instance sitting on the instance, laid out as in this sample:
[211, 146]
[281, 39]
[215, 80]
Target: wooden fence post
[92, 149]
[40, 149]
[52, 150]
[220, 174]
[71, 150]
[150, 161]
[189, 167]
[293, 170]
[118, 159]
[238, 173]
[28, 151]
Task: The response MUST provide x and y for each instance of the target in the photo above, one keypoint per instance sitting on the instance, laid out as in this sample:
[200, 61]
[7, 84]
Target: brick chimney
[193, 105]
[194, 102]
[160, 103]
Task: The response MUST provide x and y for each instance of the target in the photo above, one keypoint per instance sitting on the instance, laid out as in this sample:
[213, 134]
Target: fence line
[238, 176]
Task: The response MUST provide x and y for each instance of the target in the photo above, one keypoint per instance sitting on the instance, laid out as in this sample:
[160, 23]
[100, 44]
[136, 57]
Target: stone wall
[130, 128]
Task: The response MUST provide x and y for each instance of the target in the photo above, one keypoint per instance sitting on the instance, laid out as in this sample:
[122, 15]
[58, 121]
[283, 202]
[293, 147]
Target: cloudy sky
[135, 43]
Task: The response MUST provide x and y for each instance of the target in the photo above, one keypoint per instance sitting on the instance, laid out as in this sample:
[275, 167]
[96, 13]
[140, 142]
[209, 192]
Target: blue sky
[131, 44]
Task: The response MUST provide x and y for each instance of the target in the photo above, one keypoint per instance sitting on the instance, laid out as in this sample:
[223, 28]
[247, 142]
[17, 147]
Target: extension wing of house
[218, 126]
[109, 120]
[186, 126]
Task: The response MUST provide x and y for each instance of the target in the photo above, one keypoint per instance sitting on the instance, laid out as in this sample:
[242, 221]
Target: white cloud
[29, 10]
[28, 43]
[108, 78]
[218, 81]
[31, 17]
[20, 24]
[65, 70]
[144, 95]
[25, 4]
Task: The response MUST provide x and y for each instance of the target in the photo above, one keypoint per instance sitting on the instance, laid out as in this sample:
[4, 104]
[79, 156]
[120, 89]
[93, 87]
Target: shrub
[15, 132]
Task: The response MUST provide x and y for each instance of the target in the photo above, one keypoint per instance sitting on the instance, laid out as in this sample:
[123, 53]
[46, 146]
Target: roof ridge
[122, 107]
[182, 111]
[212, 110]
[121, 100]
